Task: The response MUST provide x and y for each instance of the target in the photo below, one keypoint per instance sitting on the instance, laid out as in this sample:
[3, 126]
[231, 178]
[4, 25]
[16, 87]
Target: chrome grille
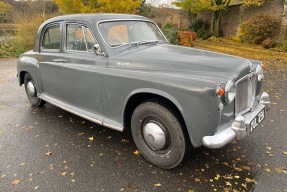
[245, 95]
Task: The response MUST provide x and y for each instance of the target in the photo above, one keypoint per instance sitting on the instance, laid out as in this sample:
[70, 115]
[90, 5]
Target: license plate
[257, 120]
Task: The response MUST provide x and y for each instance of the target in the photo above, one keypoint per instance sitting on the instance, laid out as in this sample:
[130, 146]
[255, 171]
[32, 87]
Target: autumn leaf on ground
[36, 187]
[244, 185]
[80, 134]
[91, 138]
[196, 180]
[63, 173]
[217, 177]
[268, 170]
[48, 153]
[285, 152]
[246, 168]
[15, 182]
[237, 169]
[228, 176]
[227, 183]
[236, 177]
[157, 185]
[73, 180]
[269, 148]
[248, 180]
[22, 164]
[136, 152]
[281, 170]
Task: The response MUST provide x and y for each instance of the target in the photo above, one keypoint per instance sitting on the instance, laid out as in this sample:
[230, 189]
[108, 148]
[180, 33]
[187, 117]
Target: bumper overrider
[240, 127]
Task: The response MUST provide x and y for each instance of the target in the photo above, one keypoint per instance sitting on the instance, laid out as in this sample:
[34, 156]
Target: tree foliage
[216, 6]
[92, 6]
[6, 11]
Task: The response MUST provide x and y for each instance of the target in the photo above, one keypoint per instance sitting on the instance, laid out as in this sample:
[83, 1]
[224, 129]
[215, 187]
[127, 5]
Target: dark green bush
[258, 28]
[196, 25]
[170, 31]
[200, 27]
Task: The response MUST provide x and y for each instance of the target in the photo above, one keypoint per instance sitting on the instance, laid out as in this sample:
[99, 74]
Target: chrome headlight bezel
[230, 91]
[259, 72]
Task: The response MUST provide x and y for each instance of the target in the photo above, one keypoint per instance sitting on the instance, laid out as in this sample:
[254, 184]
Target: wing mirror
[96, 49]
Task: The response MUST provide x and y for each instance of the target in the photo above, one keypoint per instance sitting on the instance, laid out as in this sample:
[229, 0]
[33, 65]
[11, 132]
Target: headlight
[230, 91]
[259, 72]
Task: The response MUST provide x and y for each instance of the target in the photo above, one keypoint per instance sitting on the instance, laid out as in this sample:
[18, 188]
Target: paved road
[48, 149]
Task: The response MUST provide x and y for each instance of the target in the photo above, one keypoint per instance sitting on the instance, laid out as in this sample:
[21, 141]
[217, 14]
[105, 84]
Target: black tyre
[159, 135]
[31, 91]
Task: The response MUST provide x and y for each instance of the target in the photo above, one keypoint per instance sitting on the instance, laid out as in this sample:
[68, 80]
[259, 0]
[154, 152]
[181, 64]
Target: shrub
[268, 43]
[187, 38]
[234, 38]
[170, 31]
[284, 45]
[196, 25]
[200, 27]
[258, 28]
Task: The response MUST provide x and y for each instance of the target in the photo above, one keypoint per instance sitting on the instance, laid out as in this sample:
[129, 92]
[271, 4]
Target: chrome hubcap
[31, 89]
[154, 136]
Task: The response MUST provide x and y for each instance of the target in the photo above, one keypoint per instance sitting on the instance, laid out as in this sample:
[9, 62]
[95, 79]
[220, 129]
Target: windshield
[118, 33]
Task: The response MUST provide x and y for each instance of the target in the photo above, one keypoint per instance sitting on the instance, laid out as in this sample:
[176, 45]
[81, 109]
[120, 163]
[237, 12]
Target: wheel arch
[142, 95]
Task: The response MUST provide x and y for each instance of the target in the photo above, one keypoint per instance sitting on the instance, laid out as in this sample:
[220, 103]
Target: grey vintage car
[120, 71]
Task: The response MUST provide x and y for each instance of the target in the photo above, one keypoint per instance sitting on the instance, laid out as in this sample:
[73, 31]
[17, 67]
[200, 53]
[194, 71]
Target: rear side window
[79, 38]
[52, 38]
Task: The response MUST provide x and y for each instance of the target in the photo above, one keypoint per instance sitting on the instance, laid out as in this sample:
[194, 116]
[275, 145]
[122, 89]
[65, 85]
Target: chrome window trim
[111, 20]
[77, 51]
[41, 49]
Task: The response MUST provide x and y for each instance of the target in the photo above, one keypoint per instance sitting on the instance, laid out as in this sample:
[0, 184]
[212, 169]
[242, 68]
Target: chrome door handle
[59, 60]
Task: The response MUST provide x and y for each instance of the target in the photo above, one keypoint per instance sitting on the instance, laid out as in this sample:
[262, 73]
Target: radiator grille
[245, 95]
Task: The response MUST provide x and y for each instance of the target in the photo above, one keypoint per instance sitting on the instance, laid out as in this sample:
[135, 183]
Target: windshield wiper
[137, 43]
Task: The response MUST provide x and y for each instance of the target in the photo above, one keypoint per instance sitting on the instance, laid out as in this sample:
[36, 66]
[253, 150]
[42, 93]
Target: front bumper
[238, 128]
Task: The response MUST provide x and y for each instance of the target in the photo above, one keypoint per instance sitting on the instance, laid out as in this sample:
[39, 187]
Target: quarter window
[52, 38]
[79, 38]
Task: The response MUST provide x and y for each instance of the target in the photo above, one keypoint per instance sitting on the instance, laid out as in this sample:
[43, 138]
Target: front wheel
[31, 91]
[159, 135]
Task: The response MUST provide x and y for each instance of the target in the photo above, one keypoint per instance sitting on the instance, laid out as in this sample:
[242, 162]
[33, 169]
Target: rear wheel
[159, 135]
[31, 91]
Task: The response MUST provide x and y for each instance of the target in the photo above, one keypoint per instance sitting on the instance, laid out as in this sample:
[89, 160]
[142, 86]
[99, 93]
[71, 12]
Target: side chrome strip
[68, 108]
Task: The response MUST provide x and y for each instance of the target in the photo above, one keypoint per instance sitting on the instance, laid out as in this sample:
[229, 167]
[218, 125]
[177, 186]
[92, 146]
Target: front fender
[27, 64]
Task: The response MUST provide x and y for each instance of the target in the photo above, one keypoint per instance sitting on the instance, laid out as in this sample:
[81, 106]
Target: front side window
[116, 33]
[52, 38]
[79, 38]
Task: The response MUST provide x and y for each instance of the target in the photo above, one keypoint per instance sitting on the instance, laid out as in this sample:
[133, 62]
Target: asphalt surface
[48, 149]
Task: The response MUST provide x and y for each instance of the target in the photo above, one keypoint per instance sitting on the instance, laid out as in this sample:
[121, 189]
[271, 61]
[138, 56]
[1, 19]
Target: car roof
[96, 17]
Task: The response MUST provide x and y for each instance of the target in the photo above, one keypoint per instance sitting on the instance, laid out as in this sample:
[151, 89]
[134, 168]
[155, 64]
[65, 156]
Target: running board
[69, 109]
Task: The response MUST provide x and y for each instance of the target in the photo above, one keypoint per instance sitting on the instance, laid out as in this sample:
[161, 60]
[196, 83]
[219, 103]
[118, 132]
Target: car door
[73, 75]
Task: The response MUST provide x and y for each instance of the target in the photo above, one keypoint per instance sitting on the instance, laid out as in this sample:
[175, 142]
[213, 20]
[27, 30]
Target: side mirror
[97, 49]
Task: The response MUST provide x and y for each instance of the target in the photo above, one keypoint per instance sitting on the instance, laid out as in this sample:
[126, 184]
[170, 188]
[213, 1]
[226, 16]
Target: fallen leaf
[136, 152]
[269, 148]
[63, 173]
[91, 138]
[246, 168]
[80, 134]
[248, 180]
[48, 153]
[22, 164]
[36, 187]
[101, 154]
[236, 177]
[73, 180]
[217, 177]
[244, 185]
[227, 183]
[15, 182]
[51, 166]
[157, 185]
[268, 170]
[285, 152]
[196, 180]
[237, 169]
[228, 176]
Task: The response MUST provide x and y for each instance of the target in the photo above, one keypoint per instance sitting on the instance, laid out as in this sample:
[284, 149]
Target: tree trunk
[216, 27]
[240, 18]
